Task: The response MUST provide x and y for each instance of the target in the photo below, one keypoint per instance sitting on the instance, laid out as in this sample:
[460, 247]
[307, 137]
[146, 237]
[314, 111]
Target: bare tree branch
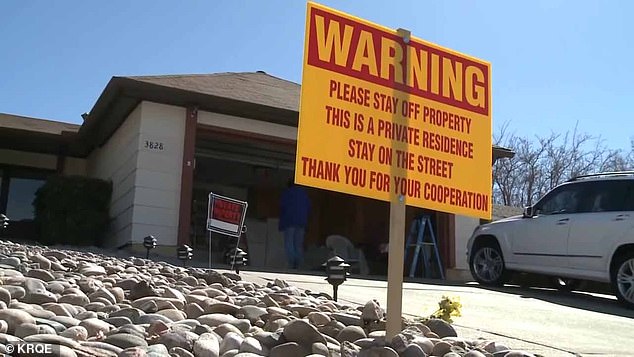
[541, 164]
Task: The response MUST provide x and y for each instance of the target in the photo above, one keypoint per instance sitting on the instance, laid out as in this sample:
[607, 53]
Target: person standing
[294, 211]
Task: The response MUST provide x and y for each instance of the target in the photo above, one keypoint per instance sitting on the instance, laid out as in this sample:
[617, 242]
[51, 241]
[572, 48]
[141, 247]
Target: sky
[555, 64]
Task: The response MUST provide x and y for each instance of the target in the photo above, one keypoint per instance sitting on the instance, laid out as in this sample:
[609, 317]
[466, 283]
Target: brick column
[187, 176]
[446, 235]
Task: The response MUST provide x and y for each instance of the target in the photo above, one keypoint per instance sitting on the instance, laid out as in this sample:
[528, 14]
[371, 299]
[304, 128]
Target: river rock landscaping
[89, 304]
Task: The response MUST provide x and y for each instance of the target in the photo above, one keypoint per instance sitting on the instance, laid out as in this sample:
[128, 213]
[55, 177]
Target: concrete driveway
[541, 321]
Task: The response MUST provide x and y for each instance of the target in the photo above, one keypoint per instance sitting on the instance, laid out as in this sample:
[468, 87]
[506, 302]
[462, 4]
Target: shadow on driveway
[590, 297]
[589, 301]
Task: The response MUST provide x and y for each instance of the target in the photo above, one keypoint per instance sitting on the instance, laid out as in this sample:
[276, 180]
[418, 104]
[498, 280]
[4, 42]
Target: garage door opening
[257, 171]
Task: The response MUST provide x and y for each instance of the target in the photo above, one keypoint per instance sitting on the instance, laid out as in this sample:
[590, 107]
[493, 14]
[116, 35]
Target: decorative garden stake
[237, 258]
[184, 253]
[4, 221]
[149, 242]
[336, 270]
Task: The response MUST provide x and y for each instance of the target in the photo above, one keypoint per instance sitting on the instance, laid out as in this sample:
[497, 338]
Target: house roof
[502, 152]
[22, 123]
[255, 95]
[37, 135]
[251, 87]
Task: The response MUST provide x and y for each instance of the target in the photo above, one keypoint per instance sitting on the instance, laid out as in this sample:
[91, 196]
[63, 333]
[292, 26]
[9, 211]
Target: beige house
[165, 142]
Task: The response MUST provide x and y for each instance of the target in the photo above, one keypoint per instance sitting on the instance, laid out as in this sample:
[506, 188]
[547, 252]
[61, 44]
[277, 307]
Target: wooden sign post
[395, 268]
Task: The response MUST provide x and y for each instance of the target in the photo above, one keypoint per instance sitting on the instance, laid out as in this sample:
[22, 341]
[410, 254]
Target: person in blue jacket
[294, 211]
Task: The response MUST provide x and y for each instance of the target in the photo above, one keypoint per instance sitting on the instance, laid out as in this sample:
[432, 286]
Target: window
[20, 200]
[565, 199]
[607, 196]
[4, 190]
[628, 196]
[623, 196]
[18, 186]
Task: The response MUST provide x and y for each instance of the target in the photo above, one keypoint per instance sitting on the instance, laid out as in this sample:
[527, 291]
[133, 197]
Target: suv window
[563, 199]
[628, 196]
[608, 196]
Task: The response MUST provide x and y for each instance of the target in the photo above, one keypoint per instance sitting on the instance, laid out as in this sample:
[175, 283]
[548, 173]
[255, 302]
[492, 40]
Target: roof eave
[500, 152]
[123, 94]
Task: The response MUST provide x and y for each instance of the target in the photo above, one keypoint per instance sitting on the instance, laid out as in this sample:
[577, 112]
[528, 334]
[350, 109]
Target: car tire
[487, 264]
[623, 279]
[566, 284]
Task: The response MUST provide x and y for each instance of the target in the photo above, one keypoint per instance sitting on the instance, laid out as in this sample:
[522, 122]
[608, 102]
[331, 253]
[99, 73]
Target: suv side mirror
[529, 212]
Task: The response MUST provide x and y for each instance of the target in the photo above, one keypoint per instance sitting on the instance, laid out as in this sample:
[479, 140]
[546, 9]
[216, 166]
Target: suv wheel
[623, 279]
[487, 264]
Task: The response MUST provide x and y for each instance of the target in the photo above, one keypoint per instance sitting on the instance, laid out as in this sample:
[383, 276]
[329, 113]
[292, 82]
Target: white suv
[581, 230]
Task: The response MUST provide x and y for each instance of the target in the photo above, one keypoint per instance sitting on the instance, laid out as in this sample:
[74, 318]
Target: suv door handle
[622, 217]
[563, 221]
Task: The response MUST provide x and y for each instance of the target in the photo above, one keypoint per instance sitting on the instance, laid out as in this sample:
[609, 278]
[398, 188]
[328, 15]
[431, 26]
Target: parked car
[581, 230]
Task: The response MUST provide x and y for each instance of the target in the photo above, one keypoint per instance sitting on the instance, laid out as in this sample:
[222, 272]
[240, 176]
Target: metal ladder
[417, 231]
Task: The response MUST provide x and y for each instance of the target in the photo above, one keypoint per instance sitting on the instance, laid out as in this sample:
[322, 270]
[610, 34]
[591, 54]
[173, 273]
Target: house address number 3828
[154, 145]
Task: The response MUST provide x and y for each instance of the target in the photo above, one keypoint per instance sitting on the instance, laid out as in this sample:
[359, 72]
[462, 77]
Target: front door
[541, 242]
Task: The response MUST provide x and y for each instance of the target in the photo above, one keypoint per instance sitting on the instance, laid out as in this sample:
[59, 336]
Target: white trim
[249, 160]
[247, 125]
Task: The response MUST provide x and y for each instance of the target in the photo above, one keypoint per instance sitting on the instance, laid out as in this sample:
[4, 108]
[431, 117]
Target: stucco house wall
[158, 173]
[116, 161]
